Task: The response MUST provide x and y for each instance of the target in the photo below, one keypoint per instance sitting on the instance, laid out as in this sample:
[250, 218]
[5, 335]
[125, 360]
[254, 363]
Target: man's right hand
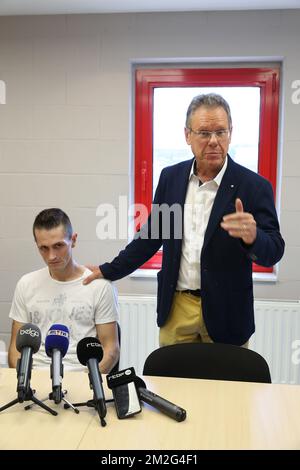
[97, 274]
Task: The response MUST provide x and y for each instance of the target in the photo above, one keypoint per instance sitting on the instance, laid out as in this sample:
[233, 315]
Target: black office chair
[214, 361]
[116, 366]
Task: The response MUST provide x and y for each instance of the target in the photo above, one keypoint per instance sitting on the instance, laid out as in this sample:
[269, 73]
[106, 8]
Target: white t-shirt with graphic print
[43, 301]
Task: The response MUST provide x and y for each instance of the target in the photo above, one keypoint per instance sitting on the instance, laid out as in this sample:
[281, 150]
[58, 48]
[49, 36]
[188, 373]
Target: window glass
[169, 112]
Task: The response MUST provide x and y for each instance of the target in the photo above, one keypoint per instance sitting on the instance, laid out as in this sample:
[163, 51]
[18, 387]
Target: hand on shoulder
[96, 274]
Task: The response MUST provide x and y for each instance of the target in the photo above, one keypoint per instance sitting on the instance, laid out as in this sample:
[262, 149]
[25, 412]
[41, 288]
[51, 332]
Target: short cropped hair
[52, 218]
[209, 100]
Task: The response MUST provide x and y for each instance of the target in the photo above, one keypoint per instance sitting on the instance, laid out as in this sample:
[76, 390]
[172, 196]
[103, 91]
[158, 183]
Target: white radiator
[277, 336]
[139, 331]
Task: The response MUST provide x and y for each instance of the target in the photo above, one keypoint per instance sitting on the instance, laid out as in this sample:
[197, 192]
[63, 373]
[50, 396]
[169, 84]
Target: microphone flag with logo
[28, 342]
[126, 399]
[90, 353]
[56, 345]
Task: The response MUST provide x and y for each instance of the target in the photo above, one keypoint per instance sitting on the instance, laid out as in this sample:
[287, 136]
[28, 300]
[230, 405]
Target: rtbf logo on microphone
[121, 378]
[94, 345]
[126, 372]
[30, 332]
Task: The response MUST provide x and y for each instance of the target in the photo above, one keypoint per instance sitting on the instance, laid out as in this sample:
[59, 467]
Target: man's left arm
[107, 333]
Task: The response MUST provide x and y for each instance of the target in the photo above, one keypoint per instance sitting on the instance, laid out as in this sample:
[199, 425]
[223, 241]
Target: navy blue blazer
[226, 262]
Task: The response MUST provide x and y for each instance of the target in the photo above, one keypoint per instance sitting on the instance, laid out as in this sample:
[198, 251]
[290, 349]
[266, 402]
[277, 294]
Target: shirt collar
[218, 178]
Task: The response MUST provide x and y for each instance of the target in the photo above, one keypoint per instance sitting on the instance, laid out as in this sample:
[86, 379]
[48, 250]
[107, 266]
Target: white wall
[64, 131]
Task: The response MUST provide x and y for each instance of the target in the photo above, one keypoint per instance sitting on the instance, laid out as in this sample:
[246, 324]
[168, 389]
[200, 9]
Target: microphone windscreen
[139, 383]
[29, 335]
[89, 348]
[57, 338]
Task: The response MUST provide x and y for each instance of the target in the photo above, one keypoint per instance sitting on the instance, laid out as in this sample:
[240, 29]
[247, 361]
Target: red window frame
[146, 80]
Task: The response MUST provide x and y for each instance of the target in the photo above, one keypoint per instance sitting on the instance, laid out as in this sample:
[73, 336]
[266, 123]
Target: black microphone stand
[58, 395]
[94, 403]
[91, 404]
[26, 394]
[29, 395]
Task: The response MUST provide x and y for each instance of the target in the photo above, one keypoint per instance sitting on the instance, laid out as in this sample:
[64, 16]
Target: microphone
[165, 406]
[28, 342]
[90, 353]
[127, 402]
[56, 345]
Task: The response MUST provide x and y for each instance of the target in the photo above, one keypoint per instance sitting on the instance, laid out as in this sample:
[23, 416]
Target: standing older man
[205, 288]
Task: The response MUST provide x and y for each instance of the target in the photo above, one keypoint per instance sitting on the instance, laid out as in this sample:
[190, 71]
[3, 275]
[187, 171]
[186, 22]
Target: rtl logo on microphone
[30, 332]
[58, 333]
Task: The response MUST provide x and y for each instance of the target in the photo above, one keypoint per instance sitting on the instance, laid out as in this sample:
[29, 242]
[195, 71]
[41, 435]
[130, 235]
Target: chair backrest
[116, 366]
[214, 361]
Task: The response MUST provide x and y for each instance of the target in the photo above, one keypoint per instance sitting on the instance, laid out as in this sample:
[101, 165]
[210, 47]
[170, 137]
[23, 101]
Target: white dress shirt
[197, 208]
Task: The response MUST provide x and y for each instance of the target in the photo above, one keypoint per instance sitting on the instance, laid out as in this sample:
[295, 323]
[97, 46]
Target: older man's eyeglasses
[205, 136]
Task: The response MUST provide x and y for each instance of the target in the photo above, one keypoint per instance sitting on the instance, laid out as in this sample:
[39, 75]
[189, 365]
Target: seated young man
[55, 294]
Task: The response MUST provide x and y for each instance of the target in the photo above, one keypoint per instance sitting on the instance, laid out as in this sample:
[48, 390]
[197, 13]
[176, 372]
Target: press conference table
[220, 415]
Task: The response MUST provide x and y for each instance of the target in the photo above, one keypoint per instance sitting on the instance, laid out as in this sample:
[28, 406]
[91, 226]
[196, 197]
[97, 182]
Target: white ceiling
[52, 7]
